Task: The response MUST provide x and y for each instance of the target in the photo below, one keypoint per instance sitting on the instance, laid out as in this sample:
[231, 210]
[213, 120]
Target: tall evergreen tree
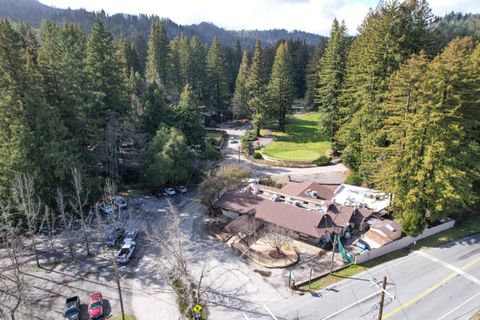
[240, 96]
[281, 87]
[198, 69]
[108, 100]
[330, 80]
[34, 140]
[300, 55]
[386, 39]
[155, 111]
[312, 72]
[104, 72]
[157, 55]
[122, 56]
[217, 77]
[184, 60]
[431, 160]
[187, 116]
[255, 86]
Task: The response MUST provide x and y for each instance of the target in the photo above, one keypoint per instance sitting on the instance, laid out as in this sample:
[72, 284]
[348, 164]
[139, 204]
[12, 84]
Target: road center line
[449, 266]
[430, 290]
[268, 310]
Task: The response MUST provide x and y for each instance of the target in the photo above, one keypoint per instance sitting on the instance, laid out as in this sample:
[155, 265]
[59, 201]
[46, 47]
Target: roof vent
[390, 227]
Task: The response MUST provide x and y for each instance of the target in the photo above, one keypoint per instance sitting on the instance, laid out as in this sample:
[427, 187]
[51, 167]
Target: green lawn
[300, 141]
[465, 228]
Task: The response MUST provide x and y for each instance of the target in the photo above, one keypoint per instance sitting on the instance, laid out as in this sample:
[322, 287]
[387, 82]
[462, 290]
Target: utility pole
[310, 279]
[382, 298]
[333, 252]
[119, 288]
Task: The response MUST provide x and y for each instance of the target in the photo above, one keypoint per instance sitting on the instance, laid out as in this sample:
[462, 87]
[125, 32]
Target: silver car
[126, 253]
[119, 202]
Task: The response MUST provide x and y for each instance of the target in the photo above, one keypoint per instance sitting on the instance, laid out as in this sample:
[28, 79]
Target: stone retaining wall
[289, 163]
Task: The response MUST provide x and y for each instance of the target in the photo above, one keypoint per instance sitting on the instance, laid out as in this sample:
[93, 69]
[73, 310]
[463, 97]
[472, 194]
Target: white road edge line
[459, 306]
[352, 305]
[449, 266]
[268, 310]
[245, 316]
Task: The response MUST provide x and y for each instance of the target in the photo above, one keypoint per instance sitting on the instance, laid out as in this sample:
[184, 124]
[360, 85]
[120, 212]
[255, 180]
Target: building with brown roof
[309, 225]
[381, 232]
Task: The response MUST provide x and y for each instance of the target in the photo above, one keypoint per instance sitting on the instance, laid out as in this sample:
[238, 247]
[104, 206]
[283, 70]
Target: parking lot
[232, 283]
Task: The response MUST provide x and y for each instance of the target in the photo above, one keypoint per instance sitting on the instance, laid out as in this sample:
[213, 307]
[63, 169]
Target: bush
[258, 146]
[354, 179]
[212, 154]
[250, 136]
[268, 181]
[257, 156]
[322, 161]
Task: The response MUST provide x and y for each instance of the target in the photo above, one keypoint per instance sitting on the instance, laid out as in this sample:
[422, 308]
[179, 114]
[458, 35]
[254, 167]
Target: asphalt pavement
[440, 283]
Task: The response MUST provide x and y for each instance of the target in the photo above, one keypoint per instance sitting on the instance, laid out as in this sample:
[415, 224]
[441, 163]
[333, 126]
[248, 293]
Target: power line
[396, 294]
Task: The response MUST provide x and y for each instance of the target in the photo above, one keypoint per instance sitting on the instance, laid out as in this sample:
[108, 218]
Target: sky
[314, 16]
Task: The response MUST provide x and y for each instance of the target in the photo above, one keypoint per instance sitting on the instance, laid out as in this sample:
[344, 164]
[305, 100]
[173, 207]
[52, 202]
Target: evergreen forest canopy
[400, 102]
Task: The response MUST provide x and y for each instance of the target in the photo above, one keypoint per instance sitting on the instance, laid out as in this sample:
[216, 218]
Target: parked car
[130, 236]
[72, 308]
[119, 202]
[182, 189]
[126, 253]
[170, 191]
[113, 239]
[105, 207]
[96, 306]
[362, 244]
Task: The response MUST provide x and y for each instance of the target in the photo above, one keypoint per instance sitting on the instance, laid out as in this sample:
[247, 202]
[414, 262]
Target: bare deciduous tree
[277, 237]
[78, 203]
[48, 223]
[184, 266]
[227, 177]
[23, 192]
[13, 287]
[67, 220]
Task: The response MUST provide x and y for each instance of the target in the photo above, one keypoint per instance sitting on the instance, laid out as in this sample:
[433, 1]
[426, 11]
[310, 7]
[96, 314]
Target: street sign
[197, 308]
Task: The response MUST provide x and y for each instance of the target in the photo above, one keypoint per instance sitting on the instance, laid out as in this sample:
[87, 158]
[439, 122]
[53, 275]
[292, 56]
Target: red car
[96, 306]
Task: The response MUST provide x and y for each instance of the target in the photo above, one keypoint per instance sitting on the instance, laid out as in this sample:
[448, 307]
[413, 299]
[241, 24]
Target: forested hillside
[458, 25]
[34, 12]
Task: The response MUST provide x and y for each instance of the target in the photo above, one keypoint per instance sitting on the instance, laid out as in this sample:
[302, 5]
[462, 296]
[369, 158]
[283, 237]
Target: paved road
[441, 283]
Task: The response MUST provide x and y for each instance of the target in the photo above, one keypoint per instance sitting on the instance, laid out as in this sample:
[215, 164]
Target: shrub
[354, 179]
[322, 161]
[257, 156]
[258, 146]
[212, 154]
[268, 181]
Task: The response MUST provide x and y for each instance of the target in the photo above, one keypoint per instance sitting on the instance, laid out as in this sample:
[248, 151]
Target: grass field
[300, 141]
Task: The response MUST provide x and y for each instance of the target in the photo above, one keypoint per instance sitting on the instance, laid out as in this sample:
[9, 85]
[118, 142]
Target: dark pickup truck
[72, 308]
